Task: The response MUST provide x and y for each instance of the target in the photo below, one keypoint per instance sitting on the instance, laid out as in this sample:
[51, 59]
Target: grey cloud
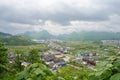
[62, 14]
[11, 14]
[13, 29]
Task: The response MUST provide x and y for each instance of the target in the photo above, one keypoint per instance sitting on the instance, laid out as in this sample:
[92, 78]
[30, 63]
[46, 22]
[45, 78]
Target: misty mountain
[75, 36]
[9, 39]
[2, 34]
[39, 35]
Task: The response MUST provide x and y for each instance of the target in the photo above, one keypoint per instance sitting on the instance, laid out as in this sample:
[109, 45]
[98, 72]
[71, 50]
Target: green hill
[17, 40]
[5, 34]
[75, 36]
[39, 35]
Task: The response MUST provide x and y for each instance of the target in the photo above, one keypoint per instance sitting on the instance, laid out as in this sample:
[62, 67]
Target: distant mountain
[39, 35]
[75, 36]
[17, 40]
[2, 34]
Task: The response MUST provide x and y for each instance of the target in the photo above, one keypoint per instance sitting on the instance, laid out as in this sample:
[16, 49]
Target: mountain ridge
[75, 36]
[2, 34]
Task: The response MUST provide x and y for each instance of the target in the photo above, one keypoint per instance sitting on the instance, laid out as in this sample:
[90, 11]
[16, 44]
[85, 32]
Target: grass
[40, 47]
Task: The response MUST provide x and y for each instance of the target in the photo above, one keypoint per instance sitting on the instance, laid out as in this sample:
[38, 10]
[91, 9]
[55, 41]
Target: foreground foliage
[108, 67]
[110, 70]
[3, 60]
[36, 71]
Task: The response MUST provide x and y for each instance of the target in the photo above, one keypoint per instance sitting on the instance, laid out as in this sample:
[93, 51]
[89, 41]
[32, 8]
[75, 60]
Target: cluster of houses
[47, 41]
[55, 59]
[57, 56]
[12, 57]
[86, 57]
[62, 49]
[116, 42]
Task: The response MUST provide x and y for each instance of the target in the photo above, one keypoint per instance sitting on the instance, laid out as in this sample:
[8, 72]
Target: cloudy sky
[59, 16]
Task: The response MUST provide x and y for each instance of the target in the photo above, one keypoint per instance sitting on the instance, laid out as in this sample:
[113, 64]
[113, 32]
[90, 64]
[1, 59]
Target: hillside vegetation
[75, 36]
[17, 40]
[4, 34]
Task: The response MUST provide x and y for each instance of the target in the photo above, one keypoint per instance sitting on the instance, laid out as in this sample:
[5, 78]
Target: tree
[17, 67]
[33, 56]
[3, 59]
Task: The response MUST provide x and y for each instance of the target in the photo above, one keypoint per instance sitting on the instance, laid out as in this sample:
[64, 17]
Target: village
[79, 59]
[59, 56]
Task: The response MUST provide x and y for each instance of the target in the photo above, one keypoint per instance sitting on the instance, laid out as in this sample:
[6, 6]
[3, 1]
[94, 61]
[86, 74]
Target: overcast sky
[59, 16]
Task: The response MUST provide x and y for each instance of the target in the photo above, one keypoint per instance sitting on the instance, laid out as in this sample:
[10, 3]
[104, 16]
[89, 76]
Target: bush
[3, 59]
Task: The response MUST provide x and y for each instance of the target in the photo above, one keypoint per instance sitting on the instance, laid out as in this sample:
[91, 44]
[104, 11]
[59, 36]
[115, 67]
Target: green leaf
[102, 64]
[34, 65]
[93, 77]
[48, 72]
[22, 75]
[3, 67]
[106, 74]
[117, 63]
[115, 77]
[29, 79]
[38, 71]
[112, 58]
[42, 66]
[60, 78]
[109, 65]
[99, 73]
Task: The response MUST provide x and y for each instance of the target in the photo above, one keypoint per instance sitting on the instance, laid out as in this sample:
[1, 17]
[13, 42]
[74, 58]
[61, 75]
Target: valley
[80, 58]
